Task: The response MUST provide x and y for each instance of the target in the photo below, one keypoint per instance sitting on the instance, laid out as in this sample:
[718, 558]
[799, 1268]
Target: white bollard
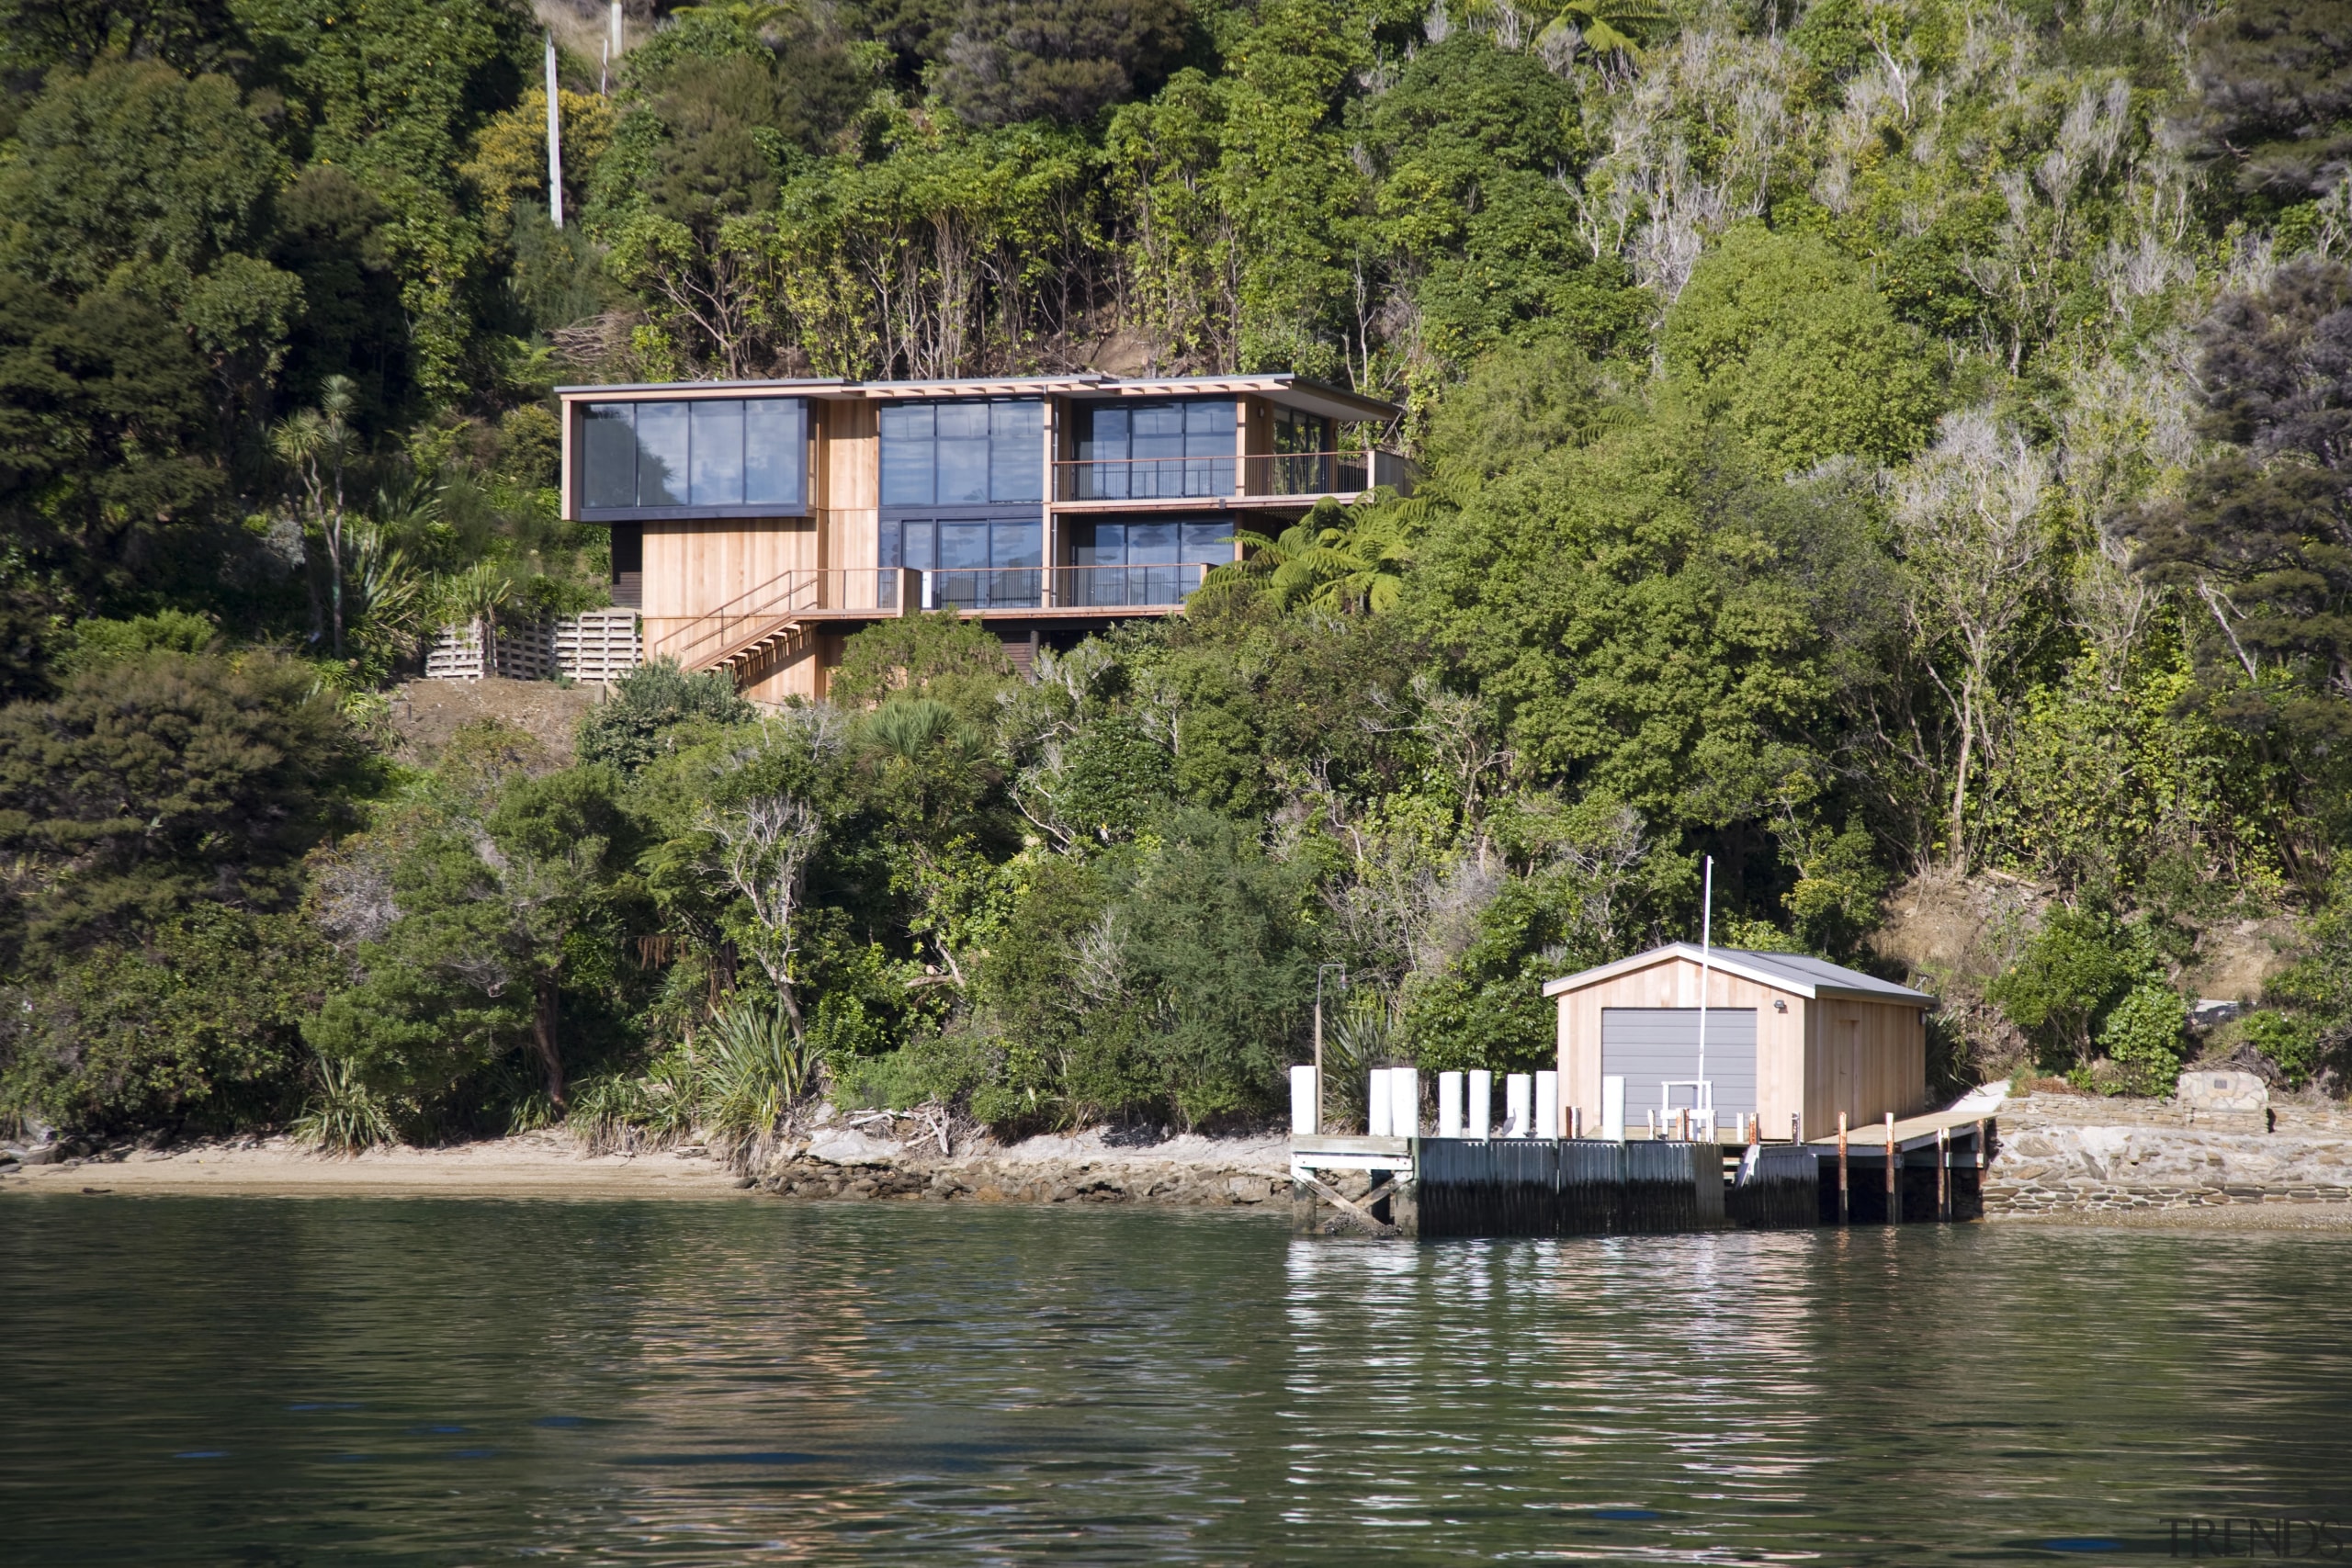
[1302, 1100]
[1547, 1105]
[1517, 1108]
[1612, 1108]
[1403, 1103]
[1375, 1114]
[1448, 1105]
[1482, 1104]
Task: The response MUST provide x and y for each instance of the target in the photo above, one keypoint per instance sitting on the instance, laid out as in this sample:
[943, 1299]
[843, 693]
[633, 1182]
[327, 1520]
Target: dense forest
[1899, 449]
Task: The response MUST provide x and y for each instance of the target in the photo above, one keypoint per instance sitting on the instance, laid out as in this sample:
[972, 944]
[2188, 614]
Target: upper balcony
[1271, 479]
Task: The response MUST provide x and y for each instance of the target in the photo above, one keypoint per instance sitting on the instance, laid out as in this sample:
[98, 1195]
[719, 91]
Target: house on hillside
[1785, 1035]
[756, 525]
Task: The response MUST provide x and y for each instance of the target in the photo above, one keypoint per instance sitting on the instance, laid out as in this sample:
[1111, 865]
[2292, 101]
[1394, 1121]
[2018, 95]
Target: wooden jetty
[1533, 1186]
[1935, 1174]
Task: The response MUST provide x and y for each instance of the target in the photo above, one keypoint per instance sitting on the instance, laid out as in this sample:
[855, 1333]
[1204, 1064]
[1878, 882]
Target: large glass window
[1158, 562]
[963, 454]
[1303, 464]
[689, 455]
[1153, 451]
[972, 563]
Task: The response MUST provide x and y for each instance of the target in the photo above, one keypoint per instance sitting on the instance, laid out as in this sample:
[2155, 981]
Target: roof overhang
[689, 389]
[1732, 962]
[1284, 390]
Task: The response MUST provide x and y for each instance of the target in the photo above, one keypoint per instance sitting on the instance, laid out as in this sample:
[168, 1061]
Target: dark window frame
[587, 512]
[1099, 474]
[1029, 444]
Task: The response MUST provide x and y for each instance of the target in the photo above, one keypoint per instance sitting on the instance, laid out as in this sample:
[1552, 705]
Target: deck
[1914, 1134]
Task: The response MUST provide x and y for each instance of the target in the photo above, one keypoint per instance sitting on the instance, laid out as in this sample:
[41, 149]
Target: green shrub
[955, 1067]
[631, 726]
[196, 1026]
[610, 1112]
[158, 781]
[2291, 1042]
[98, 640]
[2143, 1035]
[753, 1071]
[344, 1115]
[2073, 971]
[1357, 1036]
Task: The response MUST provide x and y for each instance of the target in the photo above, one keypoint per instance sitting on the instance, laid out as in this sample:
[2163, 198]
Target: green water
[250, 1381]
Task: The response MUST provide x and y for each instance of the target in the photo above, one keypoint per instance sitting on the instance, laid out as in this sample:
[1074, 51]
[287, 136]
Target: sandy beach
[530, 1165]
[1096, 1164]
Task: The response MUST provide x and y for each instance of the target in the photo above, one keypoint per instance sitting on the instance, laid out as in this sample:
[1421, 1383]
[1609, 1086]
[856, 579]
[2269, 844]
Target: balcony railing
[1207, 479]
[1144, 479]
[1308, 473]
[854, 592]
[801, 591]
[1157, 585]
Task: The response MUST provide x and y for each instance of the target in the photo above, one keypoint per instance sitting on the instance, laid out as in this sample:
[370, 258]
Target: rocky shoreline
[1097, 1165]
[2057, 1158]
[2071, 1155]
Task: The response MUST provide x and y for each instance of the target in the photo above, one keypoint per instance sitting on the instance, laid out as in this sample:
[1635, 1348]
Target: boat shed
[1786, 1036]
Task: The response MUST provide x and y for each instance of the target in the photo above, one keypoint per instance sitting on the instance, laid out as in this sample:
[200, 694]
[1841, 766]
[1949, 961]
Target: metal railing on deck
[709, 639]
[1207, 479]
[802, 591]
[1144, 479]
[1151, 586]
[1308, 473]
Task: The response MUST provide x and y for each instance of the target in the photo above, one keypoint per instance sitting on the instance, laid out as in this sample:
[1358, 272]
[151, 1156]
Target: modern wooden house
[1786, 1036]
[755, 525]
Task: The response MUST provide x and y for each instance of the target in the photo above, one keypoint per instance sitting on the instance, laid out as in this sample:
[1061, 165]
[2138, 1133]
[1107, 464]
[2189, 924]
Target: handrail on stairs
[731, 623]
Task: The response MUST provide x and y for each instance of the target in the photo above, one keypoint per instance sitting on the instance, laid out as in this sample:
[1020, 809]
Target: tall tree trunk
[544, 1021]
[334, 581]
[334, 544]
[1960, 777]
[783, 993]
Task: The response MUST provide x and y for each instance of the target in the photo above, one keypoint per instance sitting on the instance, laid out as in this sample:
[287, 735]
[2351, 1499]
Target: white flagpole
[554, 143]
[1706, 942]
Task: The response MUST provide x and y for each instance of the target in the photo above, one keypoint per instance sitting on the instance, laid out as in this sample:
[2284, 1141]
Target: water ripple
[683, 1383]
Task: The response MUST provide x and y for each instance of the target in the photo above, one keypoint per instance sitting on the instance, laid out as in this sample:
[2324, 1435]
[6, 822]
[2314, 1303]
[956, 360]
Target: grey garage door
[1650, 1047]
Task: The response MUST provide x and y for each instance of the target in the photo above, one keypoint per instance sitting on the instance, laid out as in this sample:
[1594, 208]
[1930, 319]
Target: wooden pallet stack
[598, 645]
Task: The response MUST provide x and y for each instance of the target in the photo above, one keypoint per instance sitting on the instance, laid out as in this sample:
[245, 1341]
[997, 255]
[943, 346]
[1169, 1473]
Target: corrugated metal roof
[1792, 971]
[1281, 387]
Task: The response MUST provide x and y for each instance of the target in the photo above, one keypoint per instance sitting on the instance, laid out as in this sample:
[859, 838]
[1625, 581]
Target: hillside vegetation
[1877, 444]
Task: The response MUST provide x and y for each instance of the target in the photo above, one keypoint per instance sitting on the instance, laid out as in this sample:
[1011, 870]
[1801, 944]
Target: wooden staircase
[753, 632]
[779, 644]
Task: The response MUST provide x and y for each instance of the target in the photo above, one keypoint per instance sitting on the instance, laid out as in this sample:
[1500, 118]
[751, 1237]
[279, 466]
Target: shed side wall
[1866, 1059]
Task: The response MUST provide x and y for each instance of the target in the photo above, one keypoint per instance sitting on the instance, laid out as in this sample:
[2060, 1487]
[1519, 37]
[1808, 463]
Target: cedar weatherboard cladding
[1858, 1045]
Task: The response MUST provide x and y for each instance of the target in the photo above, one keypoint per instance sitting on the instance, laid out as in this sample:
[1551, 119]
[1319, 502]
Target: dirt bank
[427, 714]
[839, 1161]
[1097, 1165]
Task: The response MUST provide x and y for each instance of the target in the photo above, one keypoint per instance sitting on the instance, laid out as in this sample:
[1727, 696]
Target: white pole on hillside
[554, 143]
[1706, 959]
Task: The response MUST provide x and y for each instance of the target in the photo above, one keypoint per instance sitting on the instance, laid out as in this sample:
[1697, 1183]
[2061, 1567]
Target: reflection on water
[242, 1381]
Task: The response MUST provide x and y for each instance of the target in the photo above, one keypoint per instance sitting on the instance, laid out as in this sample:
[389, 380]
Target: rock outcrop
[2061, 1155]
[1094, 1167]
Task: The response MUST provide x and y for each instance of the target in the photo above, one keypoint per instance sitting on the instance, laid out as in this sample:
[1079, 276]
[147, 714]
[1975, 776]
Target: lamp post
[1318, 1037]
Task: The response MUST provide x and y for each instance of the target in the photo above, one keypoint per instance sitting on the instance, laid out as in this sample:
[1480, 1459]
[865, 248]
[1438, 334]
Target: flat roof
[1299, 392]
[1792, 971]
